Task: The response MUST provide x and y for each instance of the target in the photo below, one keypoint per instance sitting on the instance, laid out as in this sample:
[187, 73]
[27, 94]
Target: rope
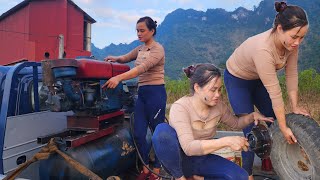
[44, 153]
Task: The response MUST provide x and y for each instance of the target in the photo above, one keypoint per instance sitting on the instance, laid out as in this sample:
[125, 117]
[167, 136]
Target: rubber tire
[285, 157]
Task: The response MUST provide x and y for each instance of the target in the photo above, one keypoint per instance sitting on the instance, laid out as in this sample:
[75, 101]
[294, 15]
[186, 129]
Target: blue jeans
[149, 111]
[167, 148]
[243, 96]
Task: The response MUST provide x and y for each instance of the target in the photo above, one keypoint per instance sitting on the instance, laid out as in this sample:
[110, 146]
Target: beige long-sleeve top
[149, 62]
[192, 129]
[257, 58]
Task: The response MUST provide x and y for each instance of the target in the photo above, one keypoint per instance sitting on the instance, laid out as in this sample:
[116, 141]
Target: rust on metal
[91, 122]
[304, 155]
[64, 63]
[48, 78]
[88, 137]
[126, 148]
[303, 166]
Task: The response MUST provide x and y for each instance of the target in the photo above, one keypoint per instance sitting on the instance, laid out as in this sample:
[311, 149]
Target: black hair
[201, 74]
[150, 23]
[289, 16]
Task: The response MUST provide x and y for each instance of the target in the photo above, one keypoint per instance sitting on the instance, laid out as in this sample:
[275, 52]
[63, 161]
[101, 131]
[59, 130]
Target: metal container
[111, 155]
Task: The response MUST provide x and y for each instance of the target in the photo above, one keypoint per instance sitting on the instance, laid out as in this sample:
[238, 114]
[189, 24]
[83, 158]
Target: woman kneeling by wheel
[193, 121]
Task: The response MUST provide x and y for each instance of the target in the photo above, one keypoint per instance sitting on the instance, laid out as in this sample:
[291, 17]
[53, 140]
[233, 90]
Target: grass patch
[309, 93]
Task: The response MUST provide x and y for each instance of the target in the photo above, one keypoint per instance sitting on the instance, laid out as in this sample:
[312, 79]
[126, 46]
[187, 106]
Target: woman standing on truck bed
[150, 106]
[251, 74]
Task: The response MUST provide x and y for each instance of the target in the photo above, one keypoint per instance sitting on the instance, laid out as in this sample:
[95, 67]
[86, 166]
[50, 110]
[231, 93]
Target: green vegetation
[191, 36]
[176, 88]
[309, 82]
[309, 91]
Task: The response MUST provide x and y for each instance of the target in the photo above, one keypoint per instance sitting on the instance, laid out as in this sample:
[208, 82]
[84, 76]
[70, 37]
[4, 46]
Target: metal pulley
[260, 141]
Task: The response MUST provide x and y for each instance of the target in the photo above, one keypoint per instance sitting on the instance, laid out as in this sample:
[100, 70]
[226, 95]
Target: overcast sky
[116, 19]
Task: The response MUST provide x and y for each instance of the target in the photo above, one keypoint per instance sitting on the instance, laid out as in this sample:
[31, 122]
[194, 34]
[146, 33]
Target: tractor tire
[302, 159]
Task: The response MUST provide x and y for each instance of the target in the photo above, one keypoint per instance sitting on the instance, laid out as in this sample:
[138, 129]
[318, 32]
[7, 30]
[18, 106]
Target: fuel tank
[111, 155]
[86, 69]
[99, 69]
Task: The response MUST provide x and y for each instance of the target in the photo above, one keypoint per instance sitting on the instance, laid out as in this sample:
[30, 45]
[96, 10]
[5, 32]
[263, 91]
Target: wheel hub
[260, 141]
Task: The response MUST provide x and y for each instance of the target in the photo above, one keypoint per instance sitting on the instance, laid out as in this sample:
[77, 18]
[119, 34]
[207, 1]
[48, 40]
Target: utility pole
[61, 46]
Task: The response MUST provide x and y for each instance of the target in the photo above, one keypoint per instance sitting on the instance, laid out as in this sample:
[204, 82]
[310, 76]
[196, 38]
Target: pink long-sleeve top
[257, 58]
[149, 62]
[192, 129]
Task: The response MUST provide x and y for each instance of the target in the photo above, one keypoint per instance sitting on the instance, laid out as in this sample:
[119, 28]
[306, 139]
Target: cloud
[105, 12]
[85, 1]
[8, 5]
[5, 1]
[127, 17]
[151, 12]
[117, 22]
[236, 3]
[107, 25]
[182, 1]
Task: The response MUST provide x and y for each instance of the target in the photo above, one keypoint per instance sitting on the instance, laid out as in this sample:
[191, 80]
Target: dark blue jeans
[174, 160]
[243, 96]
[149, 111]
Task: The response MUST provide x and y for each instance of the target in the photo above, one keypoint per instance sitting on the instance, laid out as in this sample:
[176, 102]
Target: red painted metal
[13, 44]
[76, 123]
[92, 69]
[92, 122]
[32, 28]
[110, 115]
[82, 139]
[266, 165]
[99, 69]
[83, 129]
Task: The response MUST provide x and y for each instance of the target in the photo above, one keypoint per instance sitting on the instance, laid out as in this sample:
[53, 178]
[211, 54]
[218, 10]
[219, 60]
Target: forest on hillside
[191, 36]
[309, 92]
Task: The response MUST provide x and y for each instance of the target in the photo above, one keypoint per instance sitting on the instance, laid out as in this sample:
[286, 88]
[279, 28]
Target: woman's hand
[237, 143]
[111, 83]
[259, 117]
[287, 133]
[299, 110]
[111, 58]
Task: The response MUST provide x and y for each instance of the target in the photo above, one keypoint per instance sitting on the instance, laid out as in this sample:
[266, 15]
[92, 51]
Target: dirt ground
[257, 172]
[262, 175]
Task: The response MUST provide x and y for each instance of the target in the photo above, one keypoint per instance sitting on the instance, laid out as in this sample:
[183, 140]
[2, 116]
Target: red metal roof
[26, 2]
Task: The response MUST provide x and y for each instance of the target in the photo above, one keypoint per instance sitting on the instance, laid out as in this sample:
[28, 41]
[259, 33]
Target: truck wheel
[300, 160]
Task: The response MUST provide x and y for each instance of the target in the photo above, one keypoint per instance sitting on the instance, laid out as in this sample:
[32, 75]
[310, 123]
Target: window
[43, 96]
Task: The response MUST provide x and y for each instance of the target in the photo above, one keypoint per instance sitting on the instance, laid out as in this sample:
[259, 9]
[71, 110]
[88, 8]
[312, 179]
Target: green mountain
[191, 36]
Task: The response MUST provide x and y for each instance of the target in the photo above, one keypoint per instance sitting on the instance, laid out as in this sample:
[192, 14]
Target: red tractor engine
[76, 85]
